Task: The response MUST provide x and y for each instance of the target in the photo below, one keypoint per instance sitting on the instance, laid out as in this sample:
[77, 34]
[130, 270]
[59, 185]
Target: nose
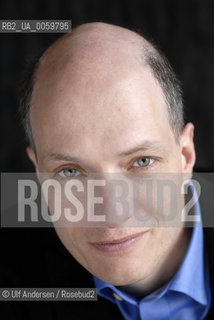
[112, 201]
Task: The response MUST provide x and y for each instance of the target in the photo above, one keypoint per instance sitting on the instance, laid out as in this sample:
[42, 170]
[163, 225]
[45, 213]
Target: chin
[122, 280]
[121, 274]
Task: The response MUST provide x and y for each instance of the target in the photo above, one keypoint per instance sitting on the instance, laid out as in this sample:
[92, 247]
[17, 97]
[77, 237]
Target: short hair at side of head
[26, 91]
[170, 84]
[160, 68]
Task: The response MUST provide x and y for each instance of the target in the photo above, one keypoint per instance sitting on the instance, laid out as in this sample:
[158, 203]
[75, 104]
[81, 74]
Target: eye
[69, 173]
[143, 162]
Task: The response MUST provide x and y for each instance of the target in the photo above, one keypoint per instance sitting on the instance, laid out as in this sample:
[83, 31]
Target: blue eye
[143, 162]
[69, 173]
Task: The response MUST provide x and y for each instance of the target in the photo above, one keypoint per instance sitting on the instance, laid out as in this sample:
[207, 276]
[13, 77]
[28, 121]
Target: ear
[187, 148]
[32, 156]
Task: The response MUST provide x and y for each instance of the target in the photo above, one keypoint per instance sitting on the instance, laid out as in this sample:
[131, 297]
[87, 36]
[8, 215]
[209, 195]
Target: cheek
[175, 161]
[157, 202]
[158, 247]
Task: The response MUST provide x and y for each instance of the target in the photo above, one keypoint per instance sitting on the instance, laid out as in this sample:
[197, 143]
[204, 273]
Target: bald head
[98, 52]
[94, 42]
[91, 50]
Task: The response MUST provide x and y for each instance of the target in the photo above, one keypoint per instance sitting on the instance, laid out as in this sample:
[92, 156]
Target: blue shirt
[186, 296]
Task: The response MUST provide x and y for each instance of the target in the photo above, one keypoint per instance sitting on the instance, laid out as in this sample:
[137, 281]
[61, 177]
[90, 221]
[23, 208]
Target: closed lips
[118, 245]
[115, 241]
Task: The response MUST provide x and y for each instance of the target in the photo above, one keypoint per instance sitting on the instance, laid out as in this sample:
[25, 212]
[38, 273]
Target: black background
[184, 29]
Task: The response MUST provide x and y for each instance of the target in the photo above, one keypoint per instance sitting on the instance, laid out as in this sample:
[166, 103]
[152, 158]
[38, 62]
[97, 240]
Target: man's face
[98, 119]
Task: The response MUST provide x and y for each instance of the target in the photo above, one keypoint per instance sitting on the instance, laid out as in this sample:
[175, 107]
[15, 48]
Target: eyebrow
[61, 156]
[152, 146]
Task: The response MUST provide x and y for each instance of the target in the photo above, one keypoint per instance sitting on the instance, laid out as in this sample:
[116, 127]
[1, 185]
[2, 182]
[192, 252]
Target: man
[104, 100]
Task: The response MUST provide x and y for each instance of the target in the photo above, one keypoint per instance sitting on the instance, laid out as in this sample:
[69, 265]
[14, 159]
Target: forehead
[88, 105]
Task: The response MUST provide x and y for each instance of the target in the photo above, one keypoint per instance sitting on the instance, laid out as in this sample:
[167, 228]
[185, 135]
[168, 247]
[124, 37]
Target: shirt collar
[192, 278]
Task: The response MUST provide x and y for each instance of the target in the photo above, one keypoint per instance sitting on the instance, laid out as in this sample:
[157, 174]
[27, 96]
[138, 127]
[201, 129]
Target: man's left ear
[187, 148]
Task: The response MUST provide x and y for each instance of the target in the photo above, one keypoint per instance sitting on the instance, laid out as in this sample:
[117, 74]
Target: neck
[165, 270]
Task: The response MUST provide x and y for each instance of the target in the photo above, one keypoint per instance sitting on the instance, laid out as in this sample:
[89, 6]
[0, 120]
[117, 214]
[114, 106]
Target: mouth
[118, 245]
